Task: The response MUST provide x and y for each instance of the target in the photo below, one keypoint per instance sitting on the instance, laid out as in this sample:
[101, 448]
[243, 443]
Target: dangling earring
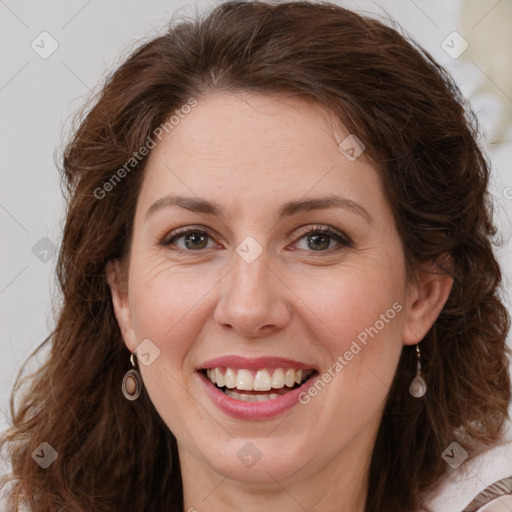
[418, 386]
[132, 383]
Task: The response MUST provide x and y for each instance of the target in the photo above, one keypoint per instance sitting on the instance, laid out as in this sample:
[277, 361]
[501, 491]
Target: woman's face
[252, 294]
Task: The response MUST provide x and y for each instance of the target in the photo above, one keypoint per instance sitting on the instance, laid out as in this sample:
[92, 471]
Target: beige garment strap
[497, 489]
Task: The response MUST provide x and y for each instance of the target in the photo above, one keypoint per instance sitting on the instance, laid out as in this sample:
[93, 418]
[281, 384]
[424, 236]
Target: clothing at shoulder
[495, 498]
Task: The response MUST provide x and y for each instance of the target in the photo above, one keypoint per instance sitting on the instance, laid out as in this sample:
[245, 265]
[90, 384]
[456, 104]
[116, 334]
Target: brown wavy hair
[421, 136]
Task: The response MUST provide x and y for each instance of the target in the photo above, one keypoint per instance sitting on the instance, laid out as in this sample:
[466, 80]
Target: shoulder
[478, 485]
[494, 498]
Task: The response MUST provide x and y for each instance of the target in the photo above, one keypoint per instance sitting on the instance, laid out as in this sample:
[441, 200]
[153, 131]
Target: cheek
[358, 320]
[170, 305]
[165, 308]
[353, 304]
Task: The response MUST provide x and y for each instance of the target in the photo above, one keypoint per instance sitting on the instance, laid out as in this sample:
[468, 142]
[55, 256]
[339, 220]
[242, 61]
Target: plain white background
[39, 93]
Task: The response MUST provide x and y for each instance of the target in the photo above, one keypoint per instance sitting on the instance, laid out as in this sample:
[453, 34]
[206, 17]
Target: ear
[428, 295]
[117, 281]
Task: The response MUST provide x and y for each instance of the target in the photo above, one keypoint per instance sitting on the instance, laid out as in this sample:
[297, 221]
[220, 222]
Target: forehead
[257, 150]
[253, 126]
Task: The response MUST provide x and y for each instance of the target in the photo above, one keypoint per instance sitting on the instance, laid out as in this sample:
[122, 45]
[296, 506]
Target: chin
[257, 460]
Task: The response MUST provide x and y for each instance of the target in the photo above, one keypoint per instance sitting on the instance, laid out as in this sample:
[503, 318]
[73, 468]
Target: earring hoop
[132, 382]
[418, 386]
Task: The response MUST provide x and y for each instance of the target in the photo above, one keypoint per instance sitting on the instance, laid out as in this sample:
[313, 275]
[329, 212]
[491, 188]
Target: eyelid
[340, 237]
[183, 231]
[333, 232]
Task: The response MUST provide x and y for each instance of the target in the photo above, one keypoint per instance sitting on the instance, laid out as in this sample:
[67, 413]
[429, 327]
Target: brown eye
[320, 240]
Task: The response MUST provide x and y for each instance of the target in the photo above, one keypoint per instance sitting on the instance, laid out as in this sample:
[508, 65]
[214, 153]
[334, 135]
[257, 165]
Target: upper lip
[239, 362]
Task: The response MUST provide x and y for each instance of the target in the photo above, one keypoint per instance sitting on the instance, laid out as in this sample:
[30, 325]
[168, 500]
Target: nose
[254, 299]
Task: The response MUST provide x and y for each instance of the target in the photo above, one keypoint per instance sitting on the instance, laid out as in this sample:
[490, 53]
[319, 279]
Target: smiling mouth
[257, 385]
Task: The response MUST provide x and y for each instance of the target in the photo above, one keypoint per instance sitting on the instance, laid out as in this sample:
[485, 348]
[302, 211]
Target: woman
[279, 288]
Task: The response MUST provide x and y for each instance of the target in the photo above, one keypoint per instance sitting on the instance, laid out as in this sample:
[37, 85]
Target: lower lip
[254, 411]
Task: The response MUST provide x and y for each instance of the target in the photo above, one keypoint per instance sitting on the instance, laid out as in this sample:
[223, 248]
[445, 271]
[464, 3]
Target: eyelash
[343, 240]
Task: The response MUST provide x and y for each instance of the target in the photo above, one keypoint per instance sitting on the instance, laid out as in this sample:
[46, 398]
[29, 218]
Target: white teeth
[230, 378]
[251, 398]
[290, 378]
[219, 378]
[278, 378]
[263, 380]
[244, 380]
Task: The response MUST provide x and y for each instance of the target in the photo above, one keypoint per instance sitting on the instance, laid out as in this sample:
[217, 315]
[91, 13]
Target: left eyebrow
[200, 205]
[194, 204]
[322, 203]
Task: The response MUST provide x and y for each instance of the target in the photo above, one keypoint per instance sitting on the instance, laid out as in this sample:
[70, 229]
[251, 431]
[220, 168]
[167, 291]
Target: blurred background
[55, 55]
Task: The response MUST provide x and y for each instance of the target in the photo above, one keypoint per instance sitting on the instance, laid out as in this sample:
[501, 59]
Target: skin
[250, 154]
[503, 504]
